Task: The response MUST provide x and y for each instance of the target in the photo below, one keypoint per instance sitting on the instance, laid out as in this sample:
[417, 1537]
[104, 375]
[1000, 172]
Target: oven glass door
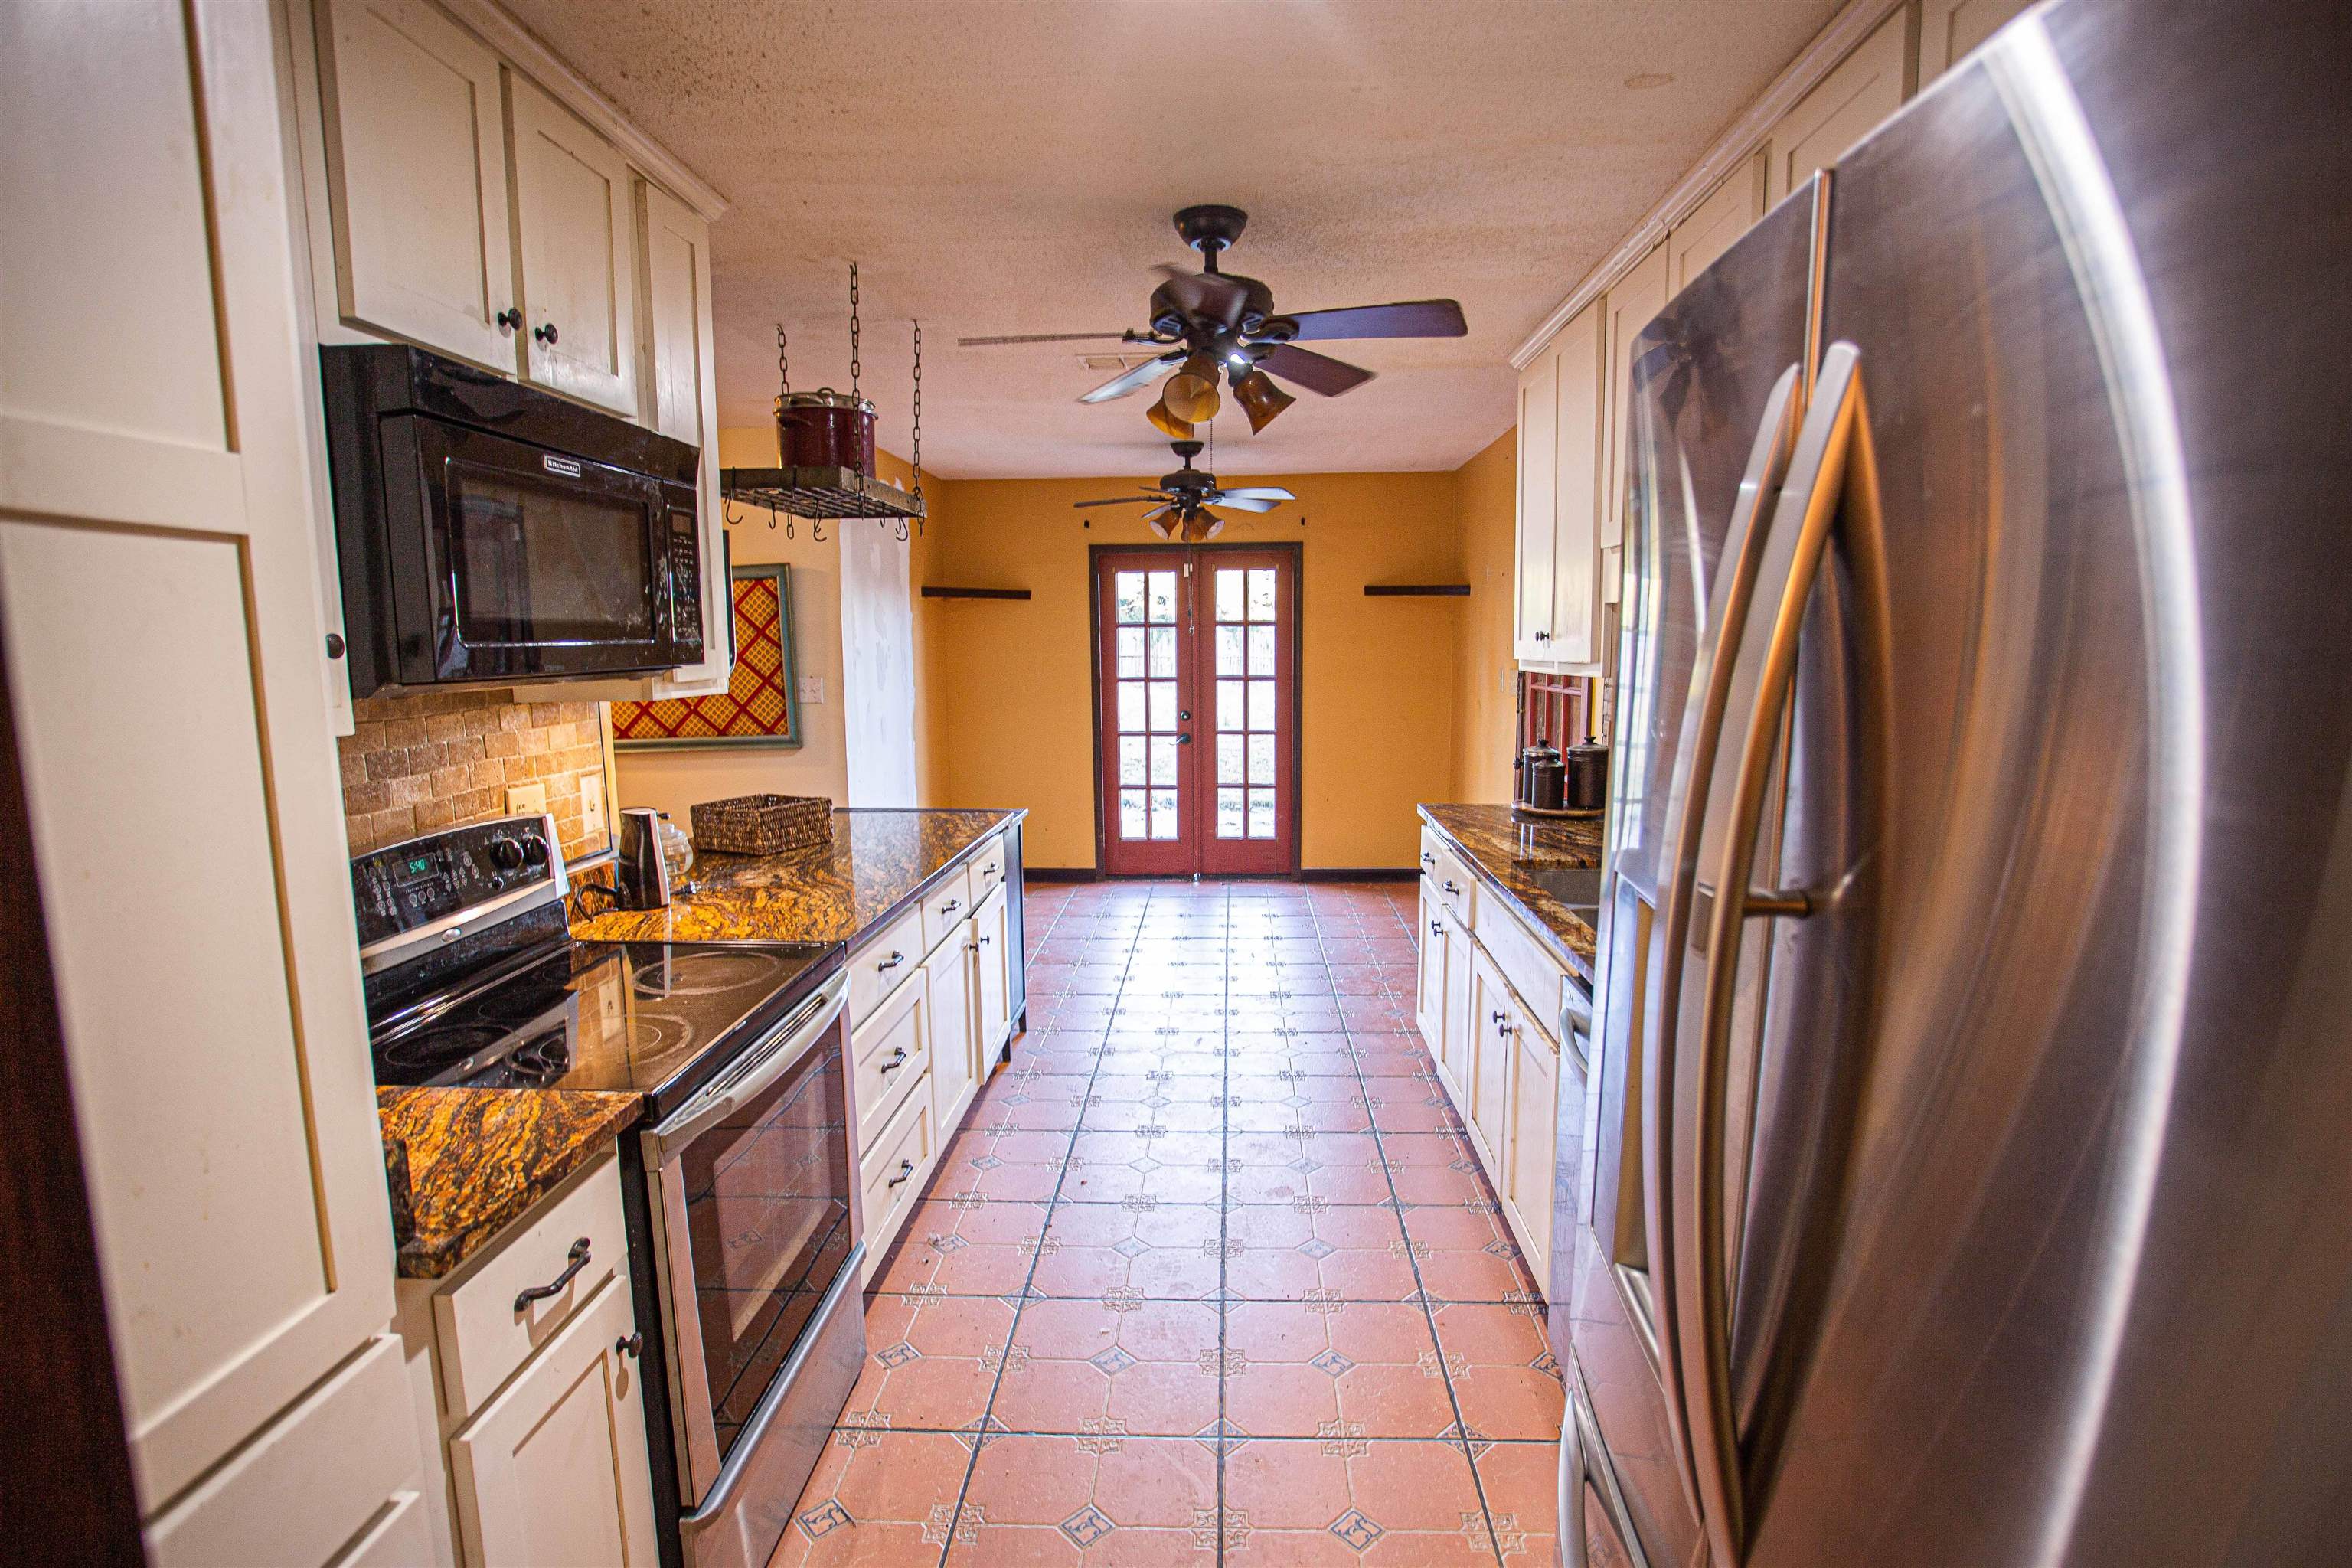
[767, 1196]
[545, 562]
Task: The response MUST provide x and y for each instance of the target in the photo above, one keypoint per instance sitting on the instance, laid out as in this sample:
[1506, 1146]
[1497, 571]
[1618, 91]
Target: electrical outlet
[591, 804]
[526, 800]
[811, 689]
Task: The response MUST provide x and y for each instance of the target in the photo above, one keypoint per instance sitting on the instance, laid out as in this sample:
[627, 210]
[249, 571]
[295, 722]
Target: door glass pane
[1131, 652]
[1130, 759]
[1229, 760]
[1163, 814]
[1229, 594]
[1229, 705]
[1162, 600]
[1163, 760]
[1127, 596]
[1260, 813]
[1131, 705]
[1131, 814]
[1261, 594]
[1229, 814]
[1261, 758]
[1229, 650]
[1163, 705]
[1261, 704]
[1163, 653]
[1261, 651]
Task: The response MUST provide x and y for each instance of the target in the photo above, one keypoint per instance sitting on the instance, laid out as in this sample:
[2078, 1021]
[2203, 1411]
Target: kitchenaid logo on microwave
[569, 469]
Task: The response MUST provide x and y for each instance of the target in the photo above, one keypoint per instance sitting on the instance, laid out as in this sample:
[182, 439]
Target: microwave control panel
[685, 580]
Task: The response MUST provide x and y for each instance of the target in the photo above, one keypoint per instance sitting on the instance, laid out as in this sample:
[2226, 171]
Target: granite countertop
[464, 1163]
[878, 862]
[1500, 848]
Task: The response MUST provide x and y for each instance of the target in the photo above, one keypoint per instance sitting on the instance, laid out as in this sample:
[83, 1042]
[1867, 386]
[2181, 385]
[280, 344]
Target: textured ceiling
[1001, 166]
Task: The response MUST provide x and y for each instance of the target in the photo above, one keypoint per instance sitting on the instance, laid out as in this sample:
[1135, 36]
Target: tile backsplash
[414, 763]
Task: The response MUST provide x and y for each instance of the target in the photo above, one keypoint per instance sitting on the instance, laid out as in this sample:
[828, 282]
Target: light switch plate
[591, 804]
[811, 689]
[526, 800]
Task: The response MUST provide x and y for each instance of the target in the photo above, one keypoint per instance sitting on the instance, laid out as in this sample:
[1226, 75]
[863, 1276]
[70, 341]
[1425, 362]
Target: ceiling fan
[1211, 321]
[1180, 503]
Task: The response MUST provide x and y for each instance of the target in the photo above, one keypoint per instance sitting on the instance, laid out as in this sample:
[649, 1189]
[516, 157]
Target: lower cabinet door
[1429, 992]
[554, 1468]
[1455, 1027]
[955, 1045]
[993, 996]
[1535, 1109]
[1491, 1023]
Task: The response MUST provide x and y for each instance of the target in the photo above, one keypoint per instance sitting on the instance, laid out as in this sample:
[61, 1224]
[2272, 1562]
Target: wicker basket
[763, 823]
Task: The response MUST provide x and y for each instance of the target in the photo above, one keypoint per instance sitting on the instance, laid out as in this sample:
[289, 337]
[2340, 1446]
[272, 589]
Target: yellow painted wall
[1486, 712]
[1009, 684]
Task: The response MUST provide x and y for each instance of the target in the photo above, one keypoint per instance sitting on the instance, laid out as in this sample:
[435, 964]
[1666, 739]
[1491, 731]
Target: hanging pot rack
[818, 493]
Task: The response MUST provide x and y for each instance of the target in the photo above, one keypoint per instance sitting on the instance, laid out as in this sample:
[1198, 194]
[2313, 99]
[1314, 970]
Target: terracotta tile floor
[1208, 1277]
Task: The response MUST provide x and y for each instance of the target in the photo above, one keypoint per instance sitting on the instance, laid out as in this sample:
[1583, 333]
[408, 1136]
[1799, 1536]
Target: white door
[955, 1039]
[674, 308]
[1843, 107]
[1576, 497]
[1538, 456]
[576, 252]
[1631, 301]
[1490, 1063]
[993, 995]
[1708, 230]
[1429, 981]
[1950, 28]
[417, 173]
[1455, 1050]
[554, 1469]
[1528, 1159]
[158, 590]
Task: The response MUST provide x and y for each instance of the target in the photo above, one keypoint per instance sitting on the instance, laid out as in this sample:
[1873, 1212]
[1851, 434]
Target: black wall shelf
[931, 593]
[1416, 590]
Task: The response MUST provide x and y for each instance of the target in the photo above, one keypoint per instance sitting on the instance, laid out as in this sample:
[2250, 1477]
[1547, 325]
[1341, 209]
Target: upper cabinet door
[1576, 494]
[1631, 302]
[675, 309]
[1539, 497]
[1847, 104]
[1950, 28]
[577, 254]
[159, 604]
[417, 173]
[1708, 230]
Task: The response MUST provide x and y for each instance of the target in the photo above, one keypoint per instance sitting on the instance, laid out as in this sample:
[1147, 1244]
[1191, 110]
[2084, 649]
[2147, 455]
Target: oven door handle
[758, 1067]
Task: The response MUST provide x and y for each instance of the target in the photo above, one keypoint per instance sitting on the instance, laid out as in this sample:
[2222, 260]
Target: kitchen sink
[1578, 887]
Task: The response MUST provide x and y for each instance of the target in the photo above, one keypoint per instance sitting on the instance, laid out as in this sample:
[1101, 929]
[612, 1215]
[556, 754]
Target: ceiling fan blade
[1209, 294]
[1408, 319]
[1122, 501]
[1259, 492]
[1241, 502]
[1315, 372]
[1043, 338]
[1134, 380]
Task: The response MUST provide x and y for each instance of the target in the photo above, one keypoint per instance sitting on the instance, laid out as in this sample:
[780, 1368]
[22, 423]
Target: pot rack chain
[918, 435]
[853, 331]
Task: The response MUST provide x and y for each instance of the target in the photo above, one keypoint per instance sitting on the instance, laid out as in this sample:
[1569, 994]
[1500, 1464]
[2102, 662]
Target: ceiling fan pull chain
[853, 330]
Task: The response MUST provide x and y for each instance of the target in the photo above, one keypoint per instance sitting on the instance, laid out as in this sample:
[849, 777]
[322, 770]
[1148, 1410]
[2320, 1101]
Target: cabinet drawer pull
[579, 1257]
[898, 1059]
[1543, 637]
[893, 961]
[906, 1169]
[545, 332]
[983, 942]
[1427, 858]
[1437, 928]
[951, 906]
[633, 1347]
[1452, 889]
[511, 318]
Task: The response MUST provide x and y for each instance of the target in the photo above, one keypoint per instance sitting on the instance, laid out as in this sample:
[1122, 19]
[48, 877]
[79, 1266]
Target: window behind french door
[1196, 661]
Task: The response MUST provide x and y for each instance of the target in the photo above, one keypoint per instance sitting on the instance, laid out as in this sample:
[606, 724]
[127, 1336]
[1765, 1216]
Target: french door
[1196, 661]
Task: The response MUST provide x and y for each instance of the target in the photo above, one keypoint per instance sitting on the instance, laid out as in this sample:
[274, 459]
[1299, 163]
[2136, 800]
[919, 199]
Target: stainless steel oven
[488, 531]
[757, 1240]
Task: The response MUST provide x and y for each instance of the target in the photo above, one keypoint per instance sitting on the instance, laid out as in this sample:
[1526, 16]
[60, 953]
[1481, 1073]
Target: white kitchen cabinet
[673, 313]
[955, 1036]
[159, 589]
[1429, 989]
[1488, 1080]
[992, 988]
[1538, 479]
[575, 253]
[1950, 28]
[416, 165]
[1454, 1054]
[554, 1468]
[1528, 1151]
[1631, 302]
[1557, 571]
[1864, 89]
[1708, 230]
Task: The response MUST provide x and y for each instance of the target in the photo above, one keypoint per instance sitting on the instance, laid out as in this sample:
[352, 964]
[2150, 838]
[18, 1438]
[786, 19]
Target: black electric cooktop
[631, 1016]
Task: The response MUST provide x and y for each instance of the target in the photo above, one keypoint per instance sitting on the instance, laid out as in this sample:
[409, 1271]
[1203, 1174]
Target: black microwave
[490, 532]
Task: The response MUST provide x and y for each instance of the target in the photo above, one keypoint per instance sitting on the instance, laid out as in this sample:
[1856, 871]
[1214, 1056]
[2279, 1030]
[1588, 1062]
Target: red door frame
[1198, 850]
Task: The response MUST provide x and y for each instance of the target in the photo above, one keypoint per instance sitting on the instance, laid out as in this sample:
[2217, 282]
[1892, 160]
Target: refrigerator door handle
[1832, 469]
[1703, 709]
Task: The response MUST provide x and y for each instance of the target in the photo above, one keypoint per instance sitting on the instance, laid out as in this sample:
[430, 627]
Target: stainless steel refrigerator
[1968, 1177]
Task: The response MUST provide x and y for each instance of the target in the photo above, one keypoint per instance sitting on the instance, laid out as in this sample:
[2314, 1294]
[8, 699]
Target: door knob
[633, 1346]
[511, 318]
[545, 333]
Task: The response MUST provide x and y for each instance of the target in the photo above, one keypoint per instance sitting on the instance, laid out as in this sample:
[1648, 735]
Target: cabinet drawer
[987, 867]
[1533, 973]
[893, 1052]
[483, 1335]
[880, 966]
[893, 1172]
[1457, 888]
[945, 908]
[1429, 847]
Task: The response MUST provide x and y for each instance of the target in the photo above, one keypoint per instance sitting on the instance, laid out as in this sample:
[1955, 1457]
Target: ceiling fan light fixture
[1167, 423]
[1191, 392]
[1260, 398]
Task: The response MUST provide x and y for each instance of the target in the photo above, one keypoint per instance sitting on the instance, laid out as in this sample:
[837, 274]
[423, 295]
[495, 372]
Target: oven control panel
[440, 877]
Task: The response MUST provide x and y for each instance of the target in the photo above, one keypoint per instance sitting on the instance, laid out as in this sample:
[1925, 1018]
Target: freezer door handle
[1832, 488]
[1746, 534]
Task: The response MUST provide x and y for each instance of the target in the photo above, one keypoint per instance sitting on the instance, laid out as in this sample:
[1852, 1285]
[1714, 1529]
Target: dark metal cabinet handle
[1437, 928]
[898, 1059]
[1543, 637]
[893, 961]
[1497, 1015]
[334, 645]
[579, 1257]
[511, 318]
[906, 1169]
[633, 1347]
[1185, 738]
[1427, 858]
[951, 906]
[545, 333]
[1452, 889]
[983, 942]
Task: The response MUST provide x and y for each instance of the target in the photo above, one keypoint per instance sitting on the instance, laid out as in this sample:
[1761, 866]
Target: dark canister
[826, 429]
[1542, 778]
[1588, 775]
